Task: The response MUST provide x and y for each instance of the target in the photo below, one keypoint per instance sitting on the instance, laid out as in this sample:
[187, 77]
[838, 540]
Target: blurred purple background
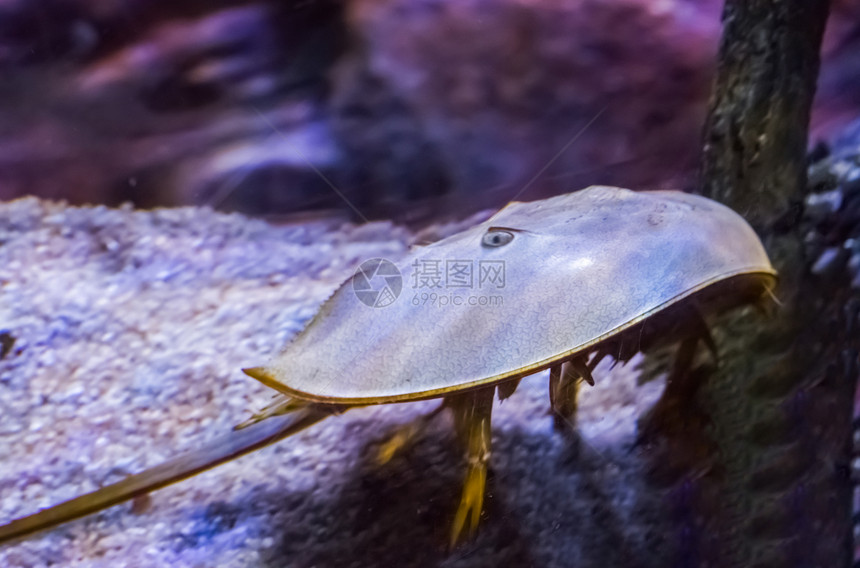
[404, 107]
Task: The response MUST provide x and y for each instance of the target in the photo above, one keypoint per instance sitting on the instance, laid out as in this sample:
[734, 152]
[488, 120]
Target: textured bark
[777, 492]
[755, 135]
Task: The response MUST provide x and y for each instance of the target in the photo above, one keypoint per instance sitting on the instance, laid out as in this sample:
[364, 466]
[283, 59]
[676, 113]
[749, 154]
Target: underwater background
[272, 132]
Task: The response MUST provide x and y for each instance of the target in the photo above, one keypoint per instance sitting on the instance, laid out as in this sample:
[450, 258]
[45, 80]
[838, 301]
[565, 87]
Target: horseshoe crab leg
[564, 390]
[472, 411]
[680, 387]
[672, 411]
[404, 436]
[221, 450]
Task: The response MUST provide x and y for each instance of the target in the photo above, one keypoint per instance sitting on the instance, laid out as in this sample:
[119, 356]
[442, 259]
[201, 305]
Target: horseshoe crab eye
[497, 238]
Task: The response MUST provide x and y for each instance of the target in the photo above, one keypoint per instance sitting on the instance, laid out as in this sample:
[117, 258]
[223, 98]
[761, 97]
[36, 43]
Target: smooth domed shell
[532, 285]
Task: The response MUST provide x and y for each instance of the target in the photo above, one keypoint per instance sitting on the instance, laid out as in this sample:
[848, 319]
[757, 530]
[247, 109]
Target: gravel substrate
[832, 218]
[129, 331]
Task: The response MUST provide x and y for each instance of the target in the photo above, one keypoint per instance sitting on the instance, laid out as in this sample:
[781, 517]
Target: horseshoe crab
[554, 284]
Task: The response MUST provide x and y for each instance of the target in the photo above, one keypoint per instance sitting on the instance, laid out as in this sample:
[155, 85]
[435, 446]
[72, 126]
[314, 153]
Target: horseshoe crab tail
[222, 449]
